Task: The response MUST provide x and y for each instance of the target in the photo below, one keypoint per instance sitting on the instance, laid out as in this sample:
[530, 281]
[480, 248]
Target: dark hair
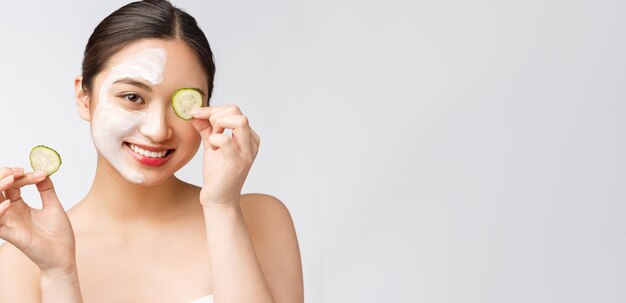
[141, 20]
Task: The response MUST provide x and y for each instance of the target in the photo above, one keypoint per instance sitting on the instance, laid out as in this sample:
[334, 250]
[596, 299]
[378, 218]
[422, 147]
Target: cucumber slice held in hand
[185, 100]
[45, 158]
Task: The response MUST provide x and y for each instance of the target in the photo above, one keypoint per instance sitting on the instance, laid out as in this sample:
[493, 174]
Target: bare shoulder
[19, 275]
[256, 206]
[268, 220]
[276, 244]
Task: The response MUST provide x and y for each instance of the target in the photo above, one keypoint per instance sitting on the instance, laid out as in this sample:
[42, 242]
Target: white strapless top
[207, 299]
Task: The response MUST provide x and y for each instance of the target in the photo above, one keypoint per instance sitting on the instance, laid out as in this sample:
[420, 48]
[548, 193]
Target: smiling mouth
[154, 154]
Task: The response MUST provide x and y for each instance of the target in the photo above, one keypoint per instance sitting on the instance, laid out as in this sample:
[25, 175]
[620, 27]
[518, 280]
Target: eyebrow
[134, 82]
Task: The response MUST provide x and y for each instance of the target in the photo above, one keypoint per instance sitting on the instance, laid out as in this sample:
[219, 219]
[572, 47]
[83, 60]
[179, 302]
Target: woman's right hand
[43, 235]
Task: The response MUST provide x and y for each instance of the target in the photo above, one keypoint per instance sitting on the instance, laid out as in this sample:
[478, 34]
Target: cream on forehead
[147, 64]
[112, 124]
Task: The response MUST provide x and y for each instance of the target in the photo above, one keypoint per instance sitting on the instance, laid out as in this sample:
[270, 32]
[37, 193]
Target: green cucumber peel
[185, 100]
[45, 158]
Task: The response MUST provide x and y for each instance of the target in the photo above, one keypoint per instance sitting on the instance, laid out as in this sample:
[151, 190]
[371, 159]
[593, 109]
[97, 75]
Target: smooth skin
[164, 240]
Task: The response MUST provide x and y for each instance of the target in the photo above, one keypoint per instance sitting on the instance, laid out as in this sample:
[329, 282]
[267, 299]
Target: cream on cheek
[112, 124]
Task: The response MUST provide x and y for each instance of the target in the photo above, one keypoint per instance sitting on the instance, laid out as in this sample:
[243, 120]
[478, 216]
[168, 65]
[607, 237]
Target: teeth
[147, 153]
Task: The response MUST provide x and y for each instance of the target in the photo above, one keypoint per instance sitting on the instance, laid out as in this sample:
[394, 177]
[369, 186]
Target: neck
[119, 201]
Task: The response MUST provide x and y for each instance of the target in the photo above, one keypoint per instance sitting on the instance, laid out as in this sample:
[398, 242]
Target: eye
[134, 98]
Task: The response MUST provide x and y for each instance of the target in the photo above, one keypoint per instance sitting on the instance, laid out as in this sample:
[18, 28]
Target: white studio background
[429, 151]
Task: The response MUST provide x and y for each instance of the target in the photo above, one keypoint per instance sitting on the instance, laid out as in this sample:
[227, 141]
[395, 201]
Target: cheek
[189, 136]
[110, 121]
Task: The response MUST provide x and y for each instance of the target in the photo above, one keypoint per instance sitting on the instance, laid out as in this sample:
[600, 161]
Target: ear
[82, 99]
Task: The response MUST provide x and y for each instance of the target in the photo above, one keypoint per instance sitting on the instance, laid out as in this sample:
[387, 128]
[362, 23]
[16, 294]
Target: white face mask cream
[113, 125]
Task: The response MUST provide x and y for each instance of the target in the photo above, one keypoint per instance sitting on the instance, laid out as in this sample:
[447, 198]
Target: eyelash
[125, 96]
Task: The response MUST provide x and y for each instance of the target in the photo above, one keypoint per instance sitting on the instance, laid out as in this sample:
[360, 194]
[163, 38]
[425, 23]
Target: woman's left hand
[227, 160]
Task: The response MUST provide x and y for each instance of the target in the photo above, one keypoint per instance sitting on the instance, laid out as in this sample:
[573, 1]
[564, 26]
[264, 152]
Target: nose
[155, 126]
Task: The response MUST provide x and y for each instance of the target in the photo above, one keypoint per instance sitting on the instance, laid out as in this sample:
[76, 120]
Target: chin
[152, 178]
[151, 182]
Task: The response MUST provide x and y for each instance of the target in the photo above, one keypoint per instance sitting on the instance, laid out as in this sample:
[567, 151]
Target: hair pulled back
[143, 20]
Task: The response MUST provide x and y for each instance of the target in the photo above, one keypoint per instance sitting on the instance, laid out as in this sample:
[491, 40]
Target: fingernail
[39, 173]
[195, 112]
[17, 170]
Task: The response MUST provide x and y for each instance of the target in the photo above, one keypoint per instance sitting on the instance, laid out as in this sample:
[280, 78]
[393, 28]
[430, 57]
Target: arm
[235, 270]
[19, 276]
[61, 286]
[22, 281]
[269, 270]
[274, 261]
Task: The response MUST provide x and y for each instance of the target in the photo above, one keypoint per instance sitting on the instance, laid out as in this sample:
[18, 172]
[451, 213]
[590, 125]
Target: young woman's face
[133, 125]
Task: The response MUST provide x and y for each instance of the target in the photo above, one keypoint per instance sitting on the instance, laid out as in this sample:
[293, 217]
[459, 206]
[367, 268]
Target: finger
[5, 172]
[207, 112]
[208, 117]
[225, 110]
[204, 129]
[226, 145]
[215, 117]
[48, 194]
[3, 208]
[256, 142]
[241, 130]
[13, 194]
[203, 112]
[6, 183]
[5, 232]
[7, 178]
[18, 172]
[255, 137]
[232, 108]
[211, 114]
[30, 178]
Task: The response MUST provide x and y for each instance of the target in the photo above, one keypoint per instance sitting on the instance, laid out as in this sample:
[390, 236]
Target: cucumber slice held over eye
[45, 158]
[185, 100]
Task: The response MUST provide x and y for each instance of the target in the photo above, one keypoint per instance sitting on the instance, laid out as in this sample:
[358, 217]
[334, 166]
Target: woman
[141, 234]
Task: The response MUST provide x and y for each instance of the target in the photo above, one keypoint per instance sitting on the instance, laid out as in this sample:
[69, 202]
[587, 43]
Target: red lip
[153, 162]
